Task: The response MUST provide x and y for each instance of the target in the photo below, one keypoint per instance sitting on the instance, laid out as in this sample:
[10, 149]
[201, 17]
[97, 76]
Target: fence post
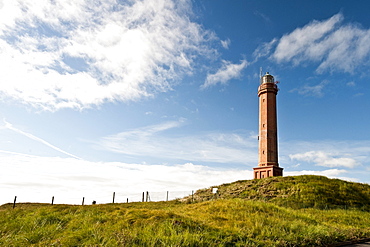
[127, 200]
[83, 200]
[52, 200]
[114, 195]
[167, 197]
[15, 199]
[147, 196]
[143, 196]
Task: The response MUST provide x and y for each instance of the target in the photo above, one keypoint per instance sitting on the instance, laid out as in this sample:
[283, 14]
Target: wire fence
[115, 197]
[146, 196]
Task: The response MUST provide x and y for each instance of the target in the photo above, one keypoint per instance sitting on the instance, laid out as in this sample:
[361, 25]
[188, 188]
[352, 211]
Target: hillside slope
[295, 191]
[228, 222]
[249, 213]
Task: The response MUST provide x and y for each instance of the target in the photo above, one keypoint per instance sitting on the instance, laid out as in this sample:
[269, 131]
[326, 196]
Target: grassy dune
[228, 220]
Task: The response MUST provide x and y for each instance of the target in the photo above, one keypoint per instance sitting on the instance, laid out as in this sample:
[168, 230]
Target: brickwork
[268, 164]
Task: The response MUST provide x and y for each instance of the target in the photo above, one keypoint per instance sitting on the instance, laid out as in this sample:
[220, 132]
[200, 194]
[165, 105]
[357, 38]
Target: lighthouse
[268, 165]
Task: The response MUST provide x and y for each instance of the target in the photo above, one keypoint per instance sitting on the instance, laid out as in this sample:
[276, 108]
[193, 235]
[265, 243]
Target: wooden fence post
[83, 200]
[15, 199]
[127, 200]
[114, 195]
[167, 197]
[147, 196]
[143, 196]
[52, 200]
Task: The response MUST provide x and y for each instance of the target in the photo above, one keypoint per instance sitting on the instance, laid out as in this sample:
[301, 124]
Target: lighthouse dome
[267, 78]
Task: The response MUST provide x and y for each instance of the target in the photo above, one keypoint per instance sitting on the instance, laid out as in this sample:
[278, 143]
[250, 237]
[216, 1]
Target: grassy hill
[296, 191]
[244, 213]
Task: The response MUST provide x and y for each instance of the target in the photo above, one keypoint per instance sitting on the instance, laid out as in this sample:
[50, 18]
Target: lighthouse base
[267, 171]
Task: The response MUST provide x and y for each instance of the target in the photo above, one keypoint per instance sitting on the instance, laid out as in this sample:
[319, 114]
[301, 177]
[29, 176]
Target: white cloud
[351, 155]
[331, 173]
[37, 179]
[298, 44]
[155, 141]
[331, 44]
[321, 158]
[316, 90]
[328, 173]
[264, 49]
[56, 51]
[227, 72]
[351, 84]
[226, 43]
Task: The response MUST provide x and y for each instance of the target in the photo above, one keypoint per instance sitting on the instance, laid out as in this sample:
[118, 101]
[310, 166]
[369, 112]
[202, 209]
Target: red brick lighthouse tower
[268, 165]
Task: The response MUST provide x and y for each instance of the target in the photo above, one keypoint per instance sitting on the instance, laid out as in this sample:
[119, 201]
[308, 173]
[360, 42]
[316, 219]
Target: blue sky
[161, 95]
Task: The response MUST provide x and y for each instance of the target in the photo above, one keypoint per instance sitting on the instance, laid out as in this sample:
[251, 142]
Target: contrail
[19, 154]
[35, 138]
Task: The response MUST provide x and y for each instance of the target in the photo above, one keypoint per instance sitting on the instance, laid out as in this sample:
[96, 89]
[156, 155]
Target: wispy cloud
[56, 51]
[156, 141]
[330, 173]
[163, 141]
[321, 158]
[262, 15]
[226, 43]
[302, 42]
[35, 138]
[264, 49]
[36, 179]
[351, 84]
[316, 90]
[227, 72]
[358, 149]
[351, 156]
[329, 43]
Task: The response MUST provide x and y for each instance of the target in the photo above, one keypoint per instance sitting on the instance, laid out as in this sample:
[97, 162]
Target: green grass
[217, 222]
[297, 192]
